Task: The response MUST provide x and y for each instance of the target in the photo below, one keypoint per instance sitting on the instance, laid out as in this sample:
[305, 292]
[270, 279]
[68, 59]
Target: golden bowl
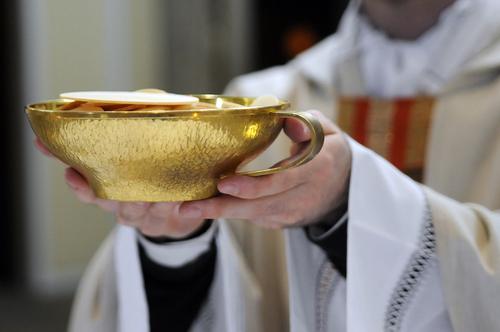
[165, 155]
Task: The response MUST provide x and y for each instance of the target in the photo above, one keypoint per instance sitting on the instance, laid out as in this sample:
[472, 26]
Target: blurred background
[52, 46]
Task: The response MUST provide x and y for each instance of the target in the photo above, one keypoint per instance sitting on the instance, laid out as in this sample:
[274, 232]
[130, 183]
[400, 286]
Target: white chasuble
[393, 281]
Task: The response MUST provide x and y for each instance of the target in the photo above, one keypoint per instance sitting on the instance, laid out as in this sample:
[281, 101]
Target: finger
[298, 131]
[236, 208]
[248, 187]
[83, 191]
[79, 186]
[75, 179]
[298, 149]
[260, 186]
[107, 205]
[42, 148]
[132, 212]
[163, 210]
[162, 219]
[329, 127]
[254, 187]
[156, 224]
[211, 208]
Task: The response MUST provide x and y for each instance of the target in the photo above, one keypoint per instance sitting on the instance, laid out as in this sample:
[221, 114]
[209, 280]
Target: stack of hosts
[367, 247]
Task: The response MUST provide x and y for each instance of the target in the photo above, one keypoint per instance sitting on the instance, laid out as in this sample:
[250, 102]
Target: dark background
[10, 146]
[280, 22]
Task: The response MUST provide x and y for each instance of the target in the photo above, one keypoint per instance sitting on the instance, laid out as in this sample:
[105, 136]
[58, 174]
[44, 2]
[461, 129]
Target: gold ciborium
[165, 155]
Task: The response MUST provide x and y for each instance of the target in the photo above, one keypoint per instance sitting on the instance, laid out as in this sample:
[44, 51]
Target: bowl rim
[35, 109]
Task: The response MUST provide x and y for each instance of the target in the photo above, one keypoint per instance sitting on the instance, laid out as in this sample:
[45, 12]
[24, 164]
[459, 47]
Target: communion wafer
[126, 97]
[145, 100]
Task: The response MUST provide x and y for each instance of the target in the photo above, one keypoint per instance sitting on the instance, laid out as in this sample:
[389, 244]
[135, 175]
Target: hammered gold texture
[153, 157]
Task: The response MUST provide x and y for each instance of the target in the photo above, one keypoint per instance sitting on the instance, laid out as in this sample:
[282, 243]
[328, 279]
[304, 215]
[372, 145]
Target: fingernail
[229, 189]
[192, 213]
[141, 203]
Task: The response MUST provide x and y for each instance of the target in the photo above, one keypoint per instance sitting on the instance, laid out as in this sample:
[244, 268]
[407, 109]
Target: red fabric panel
[360, 125]
[401, 119]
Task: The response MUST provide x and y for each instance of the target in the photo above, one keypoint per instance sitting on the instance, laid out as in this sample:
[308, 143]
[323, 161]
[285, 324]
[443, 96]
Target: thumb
[298, 131]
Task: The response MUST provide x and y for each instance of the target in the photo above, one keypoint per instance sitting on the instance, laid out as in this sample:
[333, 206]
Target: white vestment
[404, 239]
[463, 155]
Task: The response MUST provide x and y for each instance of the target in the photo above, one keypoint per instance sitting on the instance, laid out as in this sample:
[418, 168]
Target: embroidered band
[412, 276]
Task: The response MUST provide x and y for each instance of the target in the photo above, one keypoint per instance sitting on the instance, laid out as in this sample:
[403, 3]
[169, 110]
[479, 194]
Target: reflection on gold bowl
[164, 155]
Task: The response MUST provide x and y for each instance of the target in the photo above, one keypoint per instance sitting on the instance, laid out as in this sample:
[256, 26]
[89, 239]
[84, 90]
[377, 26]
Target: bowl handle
[317, 138]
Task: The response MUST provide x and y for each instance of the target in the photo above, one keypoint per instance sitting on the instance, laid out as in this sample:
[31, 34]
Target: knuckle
[131, 211]
[161, 210]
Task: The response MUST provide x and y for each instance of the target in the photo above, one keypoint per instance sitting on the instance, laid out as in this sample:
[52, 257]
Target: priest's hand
[296, 197]
[152, 219]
